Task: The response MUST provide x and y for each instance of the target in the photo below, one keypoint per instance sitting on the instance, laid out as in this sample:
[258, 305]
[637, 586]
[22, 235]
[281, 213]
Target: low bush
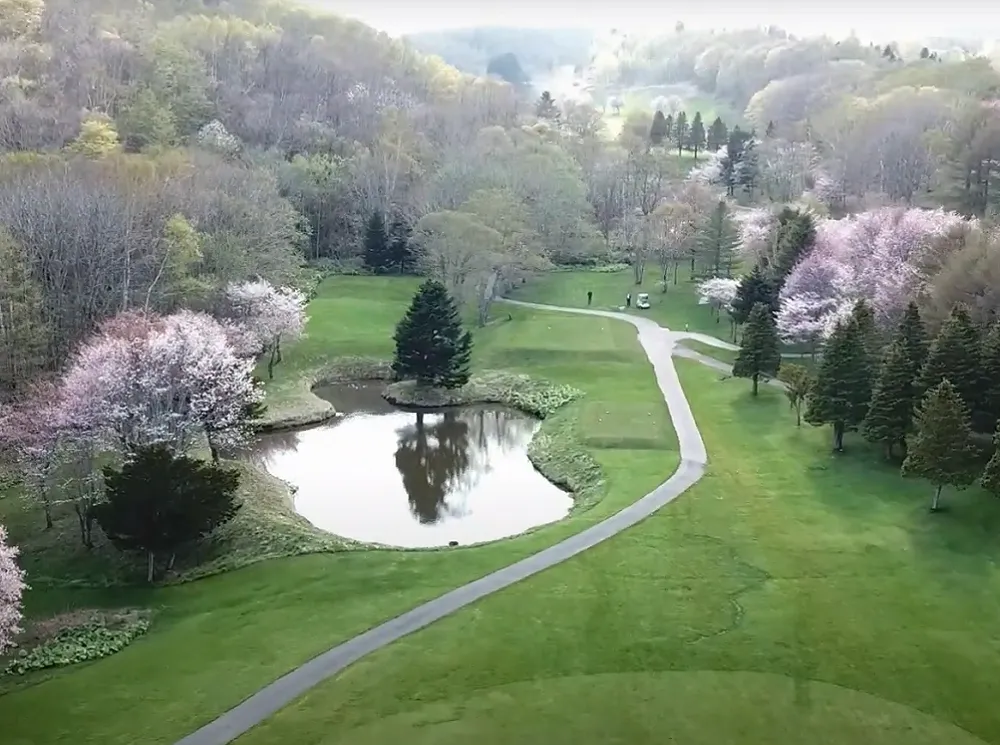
[78, 637]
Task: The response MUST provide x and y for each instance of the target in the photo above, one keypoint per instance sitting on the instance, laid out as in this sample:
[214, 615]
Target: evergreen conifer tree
[842, 391]
[376, 243]
[954, 355]
[400, 253]
[864, 316]
[431, 345]
[696, 140]
[717, 135]
[658, 130]
[159, 501]
[891, 412]
[716, 245]
[758, 355]
[942, 451]
[754, 288]
[987, 413]
[795, 236]
[681, 131]
[913, 336]
[990, 480]
[546, 107]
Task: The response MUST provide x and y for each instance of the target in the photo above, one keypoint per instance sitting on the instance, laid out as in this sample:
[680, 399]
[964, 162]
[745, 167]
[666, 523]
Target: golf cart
[642, 301]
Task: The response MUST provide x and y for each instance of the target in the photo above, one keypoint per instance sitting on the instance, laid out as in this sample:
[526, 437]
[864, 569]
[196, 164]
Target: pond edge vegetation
[555, 450]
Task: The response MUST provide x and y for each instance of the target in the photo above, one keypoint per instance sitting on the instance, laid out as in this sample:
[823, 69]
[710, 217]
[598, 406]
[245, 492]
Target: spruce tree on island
[942, 450]
[891, 412]
[376, 243]
[842, 391]
[432, 348]
[954, 356]
[759, 355]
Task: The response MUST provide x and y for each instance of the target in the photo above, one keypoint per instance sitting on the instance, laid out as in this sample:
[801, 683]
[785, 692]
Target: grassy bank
[216, 641]
[790, 596]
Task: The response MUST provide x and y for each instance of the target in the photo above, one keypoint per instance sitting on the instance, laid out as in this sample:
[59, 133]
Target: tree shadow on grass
[861, 485]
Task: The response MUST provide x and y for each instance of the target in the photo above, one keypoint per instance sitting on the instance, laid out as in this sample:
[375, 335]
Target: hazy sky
[895, 19]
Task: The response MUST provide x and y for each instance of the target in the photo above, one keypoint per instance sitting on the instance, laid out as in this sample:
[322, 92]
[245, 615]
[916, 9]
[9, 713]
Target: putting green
[690, 708]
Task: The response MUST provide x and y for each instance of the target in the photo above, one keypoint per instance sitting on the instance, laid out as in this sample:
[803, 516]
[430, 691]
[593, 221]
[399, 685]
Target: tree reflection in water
[441, 461]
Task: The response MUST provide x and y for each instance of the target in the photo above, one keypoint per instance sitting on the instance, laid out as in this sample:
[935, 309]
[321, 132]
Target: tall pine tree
[758, 355]
[717, 135]
[913, 336]
[696, 139]
[376, 244]
[842, 391]
[990, 480]
[864, 316]
[431, 345]
[716, 245]
[988, 410]
[942, 450]
[954, 355]
[795, 236]
[400, 253]
[891, 412]
[658, 129]
[546, 107]
[681, 131]
[754, 288]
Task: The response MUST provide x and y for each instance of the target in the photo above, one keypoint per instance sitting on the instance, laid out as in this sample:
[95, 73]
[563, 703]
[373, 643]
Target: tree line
[930, 404]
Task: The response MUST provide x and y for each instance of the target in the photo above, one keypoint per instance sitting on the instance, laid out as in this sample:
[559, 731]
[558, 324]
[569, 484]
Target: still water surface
[382, 475]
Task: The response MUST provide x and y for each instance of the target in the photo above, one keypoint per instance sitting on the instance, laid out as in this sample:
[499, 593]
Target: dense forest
[153, 154]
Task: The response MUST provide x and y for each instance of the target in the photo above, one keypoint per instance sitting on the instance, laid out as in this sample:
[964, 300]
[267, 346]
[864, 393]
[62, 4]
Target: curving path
[659, 345]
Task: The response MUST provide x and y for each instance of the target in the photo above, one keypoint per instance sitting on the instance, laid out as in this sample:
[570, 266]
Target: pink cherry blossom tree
[145, 379]
[31, 441]
[11, 588]
[756, 233]
[884, 256]
[718, 293]
[269, 315]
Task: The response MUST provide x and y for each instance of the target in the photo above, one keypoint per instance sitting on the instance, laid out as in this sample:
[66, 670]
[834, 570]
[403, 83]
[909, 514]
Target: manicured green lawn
[216, 641]
[792, 596]
[675, 308]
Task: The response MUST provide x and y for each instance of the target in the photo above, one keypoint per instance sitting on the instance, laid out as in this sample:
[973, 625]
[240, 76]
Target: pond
[379, 474]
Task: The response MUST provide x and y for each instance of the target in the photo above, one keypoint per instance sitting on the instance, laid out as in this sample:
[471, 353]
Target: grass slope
[791, 596]
[218, 640]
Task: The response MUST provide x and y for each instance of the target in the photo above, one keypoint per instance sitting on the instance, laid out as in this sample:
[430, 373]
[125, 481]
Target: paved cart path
[659, 344]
